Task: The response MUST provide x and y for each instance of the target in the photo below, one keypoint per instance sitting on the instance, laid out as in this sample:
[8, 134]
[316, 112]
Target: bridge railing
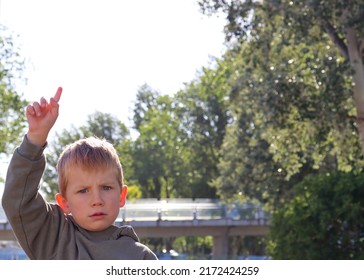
[178, 210]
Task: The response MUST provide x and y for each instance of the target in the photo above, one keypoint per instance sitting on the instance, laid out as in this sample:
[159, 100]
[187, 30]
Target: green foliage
[244, 246]
[158, 152]
[196, 247]
[291, 99]
[325, 220]
[11, 104]
[134, 192]
[204, 115]
[177, 150]
[245, 17]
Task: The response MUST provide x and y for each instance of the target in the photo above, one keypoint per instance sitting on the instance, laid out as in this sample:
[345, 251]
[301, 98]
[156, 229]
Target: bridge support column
[220, 247]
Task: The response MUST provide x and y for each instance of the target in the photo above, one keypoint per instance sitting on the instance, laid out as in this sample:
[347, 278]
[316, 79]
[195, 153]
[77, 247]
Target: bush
[325, 220]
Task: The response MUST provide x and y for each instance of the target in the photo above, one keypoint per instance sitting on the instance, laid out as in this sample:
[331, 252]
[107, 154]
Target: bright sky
[102, 51]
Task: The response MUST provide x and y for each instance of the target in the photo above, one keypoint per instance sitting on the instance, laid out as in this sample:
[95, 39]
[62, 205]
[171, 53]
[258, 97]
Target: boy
[91, 193]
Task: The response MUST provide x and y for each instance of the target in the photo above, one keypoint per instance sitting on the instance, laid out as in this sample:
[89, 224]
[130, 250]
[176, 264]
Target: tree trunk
[157, 188]
[355, 50]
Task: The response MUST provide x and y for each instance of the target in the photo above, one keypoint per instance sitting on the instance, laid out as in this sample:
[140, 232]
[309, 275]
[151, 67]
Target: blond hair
[90, 153]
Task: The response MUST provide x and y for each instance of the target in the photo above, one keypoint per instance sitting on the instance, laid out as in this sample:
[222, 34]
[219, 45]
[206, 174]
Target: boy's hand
[41, 117]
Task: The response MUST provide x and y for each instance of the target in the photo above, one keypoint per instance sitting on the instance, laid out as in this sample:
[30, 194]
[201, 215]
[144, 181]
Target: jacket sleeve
[150, 256]
[35, 222]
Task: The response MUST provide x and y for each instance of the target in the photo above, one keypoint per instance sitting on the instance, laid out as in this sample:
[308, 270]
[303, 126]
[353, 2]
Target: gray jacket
[42, 229]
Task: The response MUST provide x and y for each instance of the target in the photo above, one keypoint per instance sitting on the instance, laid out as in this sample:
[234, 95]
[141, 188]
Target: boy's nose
[97, 199]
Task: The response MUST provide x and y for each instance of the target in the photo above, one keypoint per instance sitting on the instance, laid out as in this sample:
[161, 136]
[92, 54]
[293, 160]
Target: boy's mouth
[98, 214]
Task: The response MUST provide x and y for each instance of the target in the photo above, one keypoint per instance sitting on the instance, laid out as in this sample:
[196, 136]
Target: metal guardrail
[186, 210]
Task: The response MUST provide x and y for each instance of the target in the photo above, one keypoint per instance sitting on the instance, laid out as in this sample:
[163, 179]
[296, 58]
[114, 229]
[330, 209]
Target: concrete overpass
[184, 217]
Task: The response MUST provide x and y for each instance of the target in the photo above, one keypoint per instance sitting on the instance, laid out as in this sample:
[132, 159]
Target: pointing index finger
[58, 94]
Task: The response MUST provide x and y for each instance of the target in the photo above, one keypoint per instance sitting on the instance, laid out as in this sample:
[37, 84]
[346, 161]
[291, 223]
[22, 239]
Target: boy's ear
[124, 191]
[62, 202]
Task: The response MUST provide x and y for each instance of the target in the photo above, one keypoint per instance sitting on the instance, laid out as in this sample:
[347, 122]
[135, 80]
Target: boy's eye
[106, 188]
[83, 191]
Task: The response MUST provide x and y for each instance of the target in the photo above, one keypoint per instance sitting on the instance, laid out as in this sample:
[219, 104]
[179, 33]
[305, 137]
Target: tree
[102, 125]
[204, 116]
[180, 136]
[324, 220]
[340, 20]
[291, 103]
[12, 117]
[160, 159]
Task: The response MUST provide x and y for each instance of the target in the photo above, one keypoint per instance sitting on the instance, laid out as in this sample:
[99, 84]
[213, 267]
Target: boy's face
[92, 197]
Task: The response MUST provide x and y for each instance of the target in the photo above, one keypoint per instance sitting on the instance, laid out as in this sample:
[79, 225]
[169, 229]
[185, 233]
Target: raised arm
[41, 117]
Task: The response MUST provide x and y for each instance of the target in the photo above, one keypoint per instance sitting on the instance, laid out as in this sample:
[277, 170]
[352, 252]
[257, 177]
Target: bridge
[185, 217]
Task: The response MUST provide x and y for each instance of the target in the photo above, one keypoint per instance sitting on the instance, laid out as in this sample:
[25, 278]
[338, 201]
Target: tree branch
[335, 38]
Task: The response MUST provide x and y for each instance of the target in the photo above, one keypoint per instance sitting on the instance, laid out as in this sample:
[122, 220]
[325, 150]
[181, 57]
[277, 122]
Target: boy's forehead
[97, 167]
[104, 173]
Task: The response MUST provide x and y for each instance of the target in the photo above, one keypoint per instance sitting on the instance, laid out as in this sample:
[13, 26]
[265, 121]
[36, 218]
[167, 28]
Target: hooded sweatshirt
[45, 232]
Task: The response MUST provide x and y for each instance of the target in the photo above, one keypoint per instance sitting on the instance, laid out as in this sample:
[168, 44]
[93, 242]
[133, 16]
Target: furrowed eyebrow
[107, 183]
